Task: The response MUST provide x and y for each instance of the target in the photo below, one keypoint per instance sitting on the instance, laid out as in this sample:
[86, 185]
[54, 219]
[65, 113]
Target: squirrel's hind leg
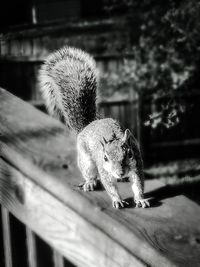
[88, 168]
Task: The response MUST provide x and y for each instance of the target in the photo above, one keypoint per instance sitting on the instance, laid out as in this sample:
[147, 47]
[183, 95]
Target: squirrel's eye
[124, 148]
[105, 158]
[130, 154]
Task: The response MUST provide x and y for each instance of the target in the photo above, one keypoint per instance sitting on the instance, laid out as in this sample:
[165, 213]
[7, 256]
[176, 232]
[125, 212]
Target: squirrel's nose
[122, 172]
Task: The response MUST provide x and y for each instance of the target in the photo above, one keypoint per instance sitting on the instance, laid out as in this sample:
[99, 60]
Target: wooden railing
[39, 185]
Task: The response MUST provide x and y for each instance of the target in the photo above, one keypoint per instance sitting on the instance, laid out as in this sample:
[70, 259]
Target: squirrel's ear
[105, 142]
[102, 144]
[126, 136]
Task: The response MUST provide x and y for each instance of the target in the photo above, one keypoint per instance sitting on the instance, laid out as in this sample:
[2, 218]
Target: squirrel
[68, 82]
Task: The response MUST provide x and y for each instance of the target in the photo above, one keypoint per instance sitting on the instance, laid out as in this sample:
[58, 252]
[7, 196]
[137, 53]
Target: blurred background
[148, 54]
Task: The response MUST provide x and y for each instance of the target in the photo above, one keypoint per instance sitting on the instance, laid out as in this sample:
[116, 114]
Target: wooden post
[6, 238]
[58, 259]
[31, 248]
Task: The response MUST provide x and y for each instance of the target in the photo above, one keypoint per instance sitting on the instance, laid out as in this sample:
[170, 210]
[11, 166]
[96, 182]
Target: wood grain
[58, 259]
[60, 225]
[6, 237]
[39, 184]
[31, 248]
[2, 261]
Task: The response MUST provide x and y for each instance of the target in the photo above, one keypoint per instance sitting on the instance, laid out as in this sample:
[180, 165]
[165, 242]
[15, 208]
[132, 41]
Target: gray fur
[68, 82]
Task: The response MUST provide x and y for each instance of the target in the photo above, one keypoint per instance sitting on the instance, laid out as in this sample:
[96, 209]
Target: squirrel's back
[68, 82]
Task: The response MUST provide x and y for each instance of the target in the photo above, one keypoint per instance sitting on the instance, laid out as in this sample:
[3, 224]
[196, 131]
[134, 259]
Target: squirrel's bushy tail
[68, 82]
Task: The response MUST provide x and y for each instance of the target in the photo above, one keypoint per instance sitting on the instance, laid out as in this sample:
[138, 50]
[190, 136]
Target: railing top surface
[43, 150]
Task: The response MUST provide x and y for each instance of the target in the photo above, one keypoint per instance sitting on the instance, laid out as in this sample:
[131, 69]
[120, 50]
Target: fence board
[31, 248]
[64, 229]
[6, 237]
[58, 259]
[1, 241]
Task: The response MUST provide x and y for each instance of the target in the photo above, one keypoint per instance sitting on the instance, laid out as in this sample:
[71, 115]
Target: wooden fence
[161, 144]
[23, 52]
[20, 247]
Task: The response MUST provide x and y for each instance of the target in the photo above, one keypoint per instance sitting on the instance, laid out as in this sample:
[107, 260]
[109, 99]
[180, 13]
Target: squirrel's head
[118, 156]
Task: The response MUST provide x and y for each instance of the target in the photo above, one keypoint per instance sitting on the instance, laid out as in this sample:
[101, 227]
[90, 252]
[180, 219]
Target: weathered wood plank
[31, 248]
[6, 237]
[69, 27]
[2, 261]
[58, 259]
[59, 224]
[44, 179]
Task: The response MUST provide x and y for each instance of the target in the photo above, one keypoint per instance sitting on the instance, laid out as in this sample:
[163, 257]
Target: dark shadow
[190, 189]
[131, 204]
[179, 174]
[154, 202]
[123, 180]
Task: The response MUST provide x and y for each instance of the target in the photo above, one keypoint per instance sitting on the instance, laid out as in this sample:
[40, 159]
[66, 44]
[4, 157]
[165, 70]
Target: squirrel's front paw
[119, 203]
[142, 203]
[89, 185]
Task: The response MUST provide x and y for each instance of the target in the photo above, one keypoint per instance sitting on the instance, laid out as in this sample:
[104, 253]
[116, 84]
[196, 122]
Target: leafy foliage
[165, 43]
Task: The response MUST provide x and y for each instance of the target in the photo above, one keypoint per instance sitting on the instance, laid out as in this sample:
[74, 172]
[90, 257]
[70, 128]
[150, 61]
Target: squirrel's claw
[89, 185]
[119, 203]
[142, 203]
